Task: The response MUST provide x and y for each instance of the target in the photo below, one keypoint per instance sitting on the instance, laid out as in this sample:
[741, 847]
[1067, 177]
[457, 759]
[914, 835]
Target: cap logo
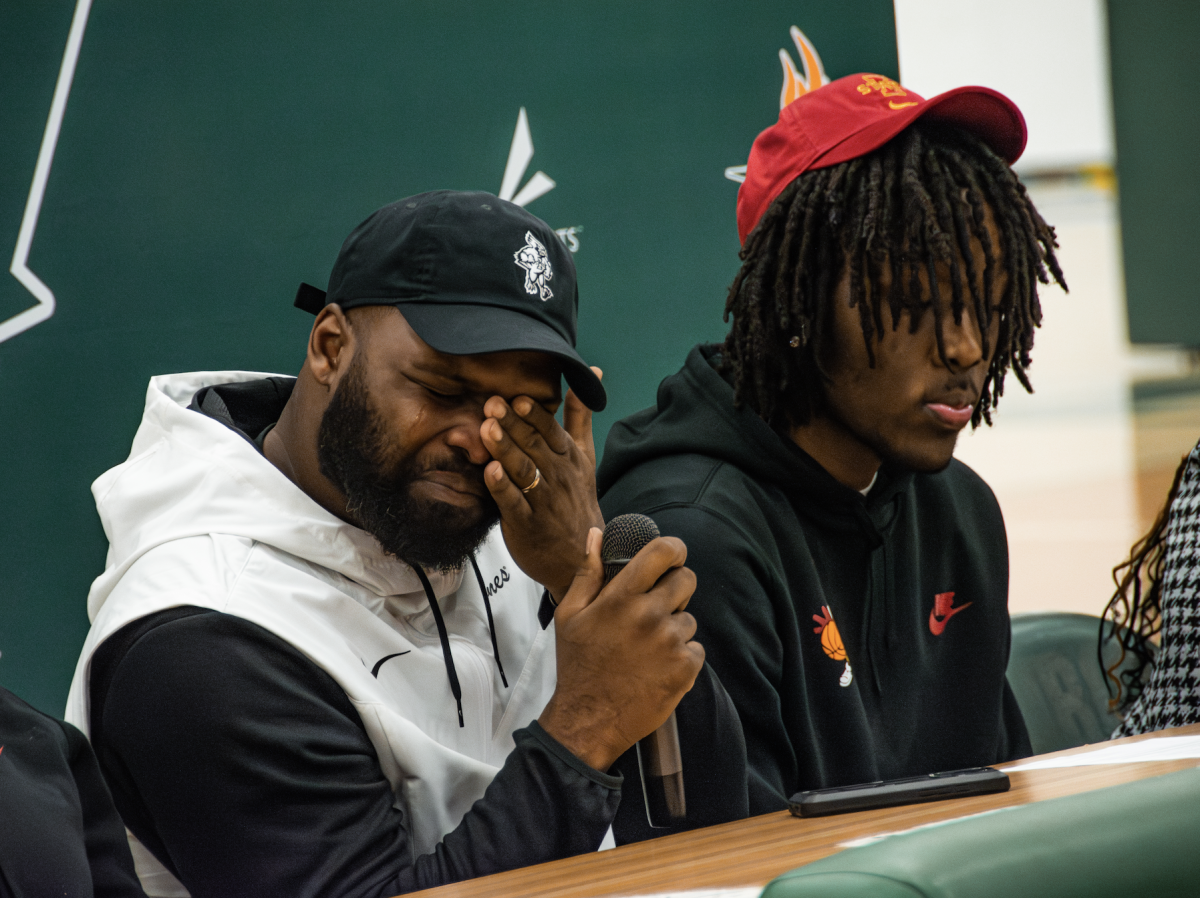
[888, 88]
[532, 257]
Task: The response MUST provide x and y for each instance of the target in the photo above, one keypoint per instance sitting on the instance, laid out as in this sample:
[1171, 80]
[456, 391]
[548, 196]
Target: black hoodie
[909, 679]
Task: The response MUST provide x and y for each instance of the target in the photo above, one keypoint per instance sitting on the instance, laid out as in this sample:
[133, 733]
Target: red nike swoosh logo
[938, 624]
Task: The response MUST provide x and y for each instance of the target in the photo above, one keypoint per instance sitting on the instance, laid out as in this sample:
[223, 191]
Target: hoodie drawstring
[487, 606]
[451, 673]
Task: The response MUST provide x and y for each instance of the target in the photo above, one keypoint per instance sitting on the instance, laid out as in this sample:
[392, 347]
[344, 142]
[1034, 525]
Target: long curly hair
[1133, 616]
[917, 201]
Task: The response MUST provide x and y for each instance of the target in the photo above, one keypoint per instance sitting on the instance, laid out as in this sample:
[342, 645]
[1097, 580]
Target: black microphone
[659, 758]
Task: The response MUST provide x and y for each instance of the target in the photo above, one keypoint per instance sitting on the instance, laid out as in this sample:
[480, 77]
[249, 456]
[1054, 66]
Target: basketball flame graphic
[831, 642]
[831, 639]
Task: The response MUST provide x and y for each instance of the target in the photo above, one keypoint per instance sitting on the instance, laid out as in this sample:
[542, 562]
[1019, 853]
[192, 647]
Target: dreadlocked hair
[917, 201]
[1133, 616]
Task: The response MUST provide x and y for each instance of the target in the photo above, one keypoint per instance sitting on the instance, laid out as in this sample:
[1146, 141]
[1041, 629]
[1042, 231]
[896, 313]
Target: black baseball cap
[471, 273]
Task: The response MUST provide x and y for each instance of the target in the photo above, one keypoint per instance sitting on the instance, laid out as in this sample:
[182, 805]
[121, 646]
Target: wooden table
[752, 852]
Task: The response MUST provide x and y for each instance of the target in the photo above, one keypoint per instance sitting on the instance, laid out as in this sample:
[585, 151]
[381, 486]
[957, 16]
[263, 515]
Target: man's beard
[351, 447]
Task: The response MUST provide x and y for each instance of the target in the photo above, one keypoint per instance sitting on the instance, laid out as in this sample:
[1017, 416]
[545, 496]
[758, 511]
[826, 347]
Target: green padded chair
[1057, 680]
[1128, 841]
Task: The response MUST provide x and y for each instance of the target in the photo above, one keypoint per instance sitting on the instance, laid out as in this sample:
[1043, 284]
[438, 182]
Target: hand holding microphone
[660, 760]
[625, 659]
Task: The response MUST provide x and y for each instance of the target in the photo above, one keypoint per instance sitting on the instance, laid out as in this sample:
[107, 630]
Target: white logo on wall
[22, 321]
[532, 257]
[519, 155]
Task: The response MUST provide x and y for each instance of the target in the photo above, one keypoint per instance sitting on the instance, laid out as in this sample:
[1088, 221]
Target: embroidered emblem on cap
[888, 88]
[532, 257]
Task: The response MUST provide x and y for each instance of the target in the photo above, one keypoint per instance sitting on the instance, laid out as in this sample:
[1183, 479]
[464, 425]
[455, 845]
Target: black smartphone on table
[889, 793]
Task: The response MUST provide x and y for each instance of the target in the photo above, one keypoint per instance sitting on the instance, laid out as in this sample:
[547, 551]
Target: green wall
[1157, 122]
[214, 154]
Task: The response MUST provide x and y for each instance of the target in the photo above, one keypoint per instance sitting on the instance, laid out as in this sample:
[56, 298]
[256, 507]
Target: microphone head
[625, 536]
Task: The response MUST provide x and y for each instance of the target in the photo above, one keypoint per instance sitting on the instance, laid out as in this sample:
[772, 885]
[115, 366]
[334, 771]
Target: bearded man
[317, 666]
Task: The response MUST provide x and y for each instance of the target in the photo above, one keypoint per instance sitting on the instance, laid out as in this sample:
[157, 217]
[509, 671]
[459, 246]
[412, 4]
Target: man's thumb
[589, 579]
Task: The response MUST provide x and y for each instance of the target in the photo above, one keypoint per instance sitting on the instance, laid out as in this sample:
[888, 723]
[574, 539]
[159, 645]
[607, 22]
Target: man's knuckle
[643, 620]
[686, 622]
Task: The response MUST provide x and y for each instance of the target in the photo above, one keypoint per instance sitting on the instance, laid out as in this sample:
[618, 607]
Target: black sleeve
[59, 831]
[738, 626]
[246, 770]
[104, 838]
[714, 766]
[1014, 735]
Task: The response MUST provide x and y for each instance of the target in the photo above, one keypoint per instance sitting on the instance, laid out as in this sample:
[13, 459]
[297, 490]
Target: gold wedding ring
[537, 478]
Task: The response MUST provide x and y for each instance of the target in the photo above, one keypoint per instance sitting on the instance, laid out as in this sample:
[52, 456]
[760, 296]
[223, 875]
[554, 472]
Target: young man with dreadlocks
[852, 577]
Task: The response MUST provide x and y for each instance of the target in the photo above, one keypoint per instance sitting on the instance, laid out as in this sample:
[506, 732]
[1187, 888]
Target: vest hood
[189, 475]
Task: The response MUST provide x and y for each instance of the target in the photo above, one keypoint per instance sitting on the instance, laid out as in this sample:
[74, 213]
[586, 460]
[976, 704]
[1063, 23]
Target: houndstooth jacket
[1172, 696]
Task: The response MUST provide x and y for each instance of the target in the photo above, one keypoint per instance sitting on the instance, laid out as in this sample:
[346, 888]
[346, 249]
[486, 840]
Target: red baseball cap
[854, 115]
